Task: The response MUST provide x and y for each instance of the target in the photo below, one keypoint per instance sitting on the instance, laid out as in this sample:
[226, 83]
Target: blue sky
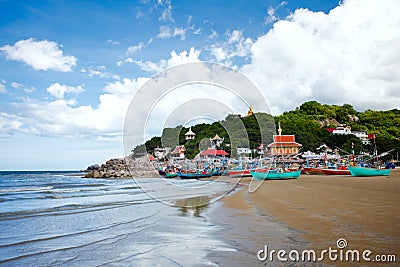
[70, 68]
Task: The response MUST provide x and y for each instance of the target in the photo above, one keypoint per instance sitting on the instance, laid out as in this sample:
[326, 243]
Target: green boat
[362, 171]
[171, 174]
[274, 175]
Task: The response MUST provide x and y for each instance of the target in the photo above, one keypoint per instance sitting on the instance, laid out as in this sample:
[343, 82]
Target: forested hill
[308, 122]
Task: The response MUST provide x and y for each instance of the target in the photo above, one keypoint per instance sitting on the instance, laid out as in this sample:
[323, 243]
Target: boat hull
[335, 171]
[217, 173]
[194, 175]
[171, 175]
[239, 173]
[362, 171]
[311, 170]
[271, 175]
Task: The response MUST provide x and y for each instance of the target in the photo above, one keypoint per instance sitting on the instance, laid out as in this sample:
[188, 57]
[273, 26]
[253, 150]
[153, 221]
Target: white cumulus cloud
[351, 55]
[58, 90]
[40, 55]
[236, 45]
[175, 59]
[63, 117]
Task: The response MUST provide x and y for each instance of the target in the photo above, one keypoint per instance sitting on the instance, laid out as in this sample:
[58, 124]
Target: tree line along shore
[310, 123]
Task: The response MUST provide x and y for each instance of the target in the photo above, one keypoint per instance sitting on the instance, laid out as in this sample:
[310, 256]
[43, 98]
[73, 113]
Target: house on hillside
[362, 135]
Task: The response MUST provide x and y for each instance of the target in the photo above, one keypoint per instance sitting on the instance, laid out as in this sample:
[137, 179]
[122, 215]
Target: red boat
[341, 170]
[311, 170]
[246, 172]
[240, 173]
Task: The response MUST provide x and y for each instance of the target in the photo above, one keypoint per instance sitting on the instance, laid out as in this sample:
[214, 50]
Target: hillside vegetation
[308, 122]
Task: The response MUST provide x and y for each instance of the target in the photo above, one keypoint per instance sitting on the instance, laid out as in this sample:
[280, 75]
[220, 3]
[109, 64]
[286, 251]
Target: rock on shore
[123, 168]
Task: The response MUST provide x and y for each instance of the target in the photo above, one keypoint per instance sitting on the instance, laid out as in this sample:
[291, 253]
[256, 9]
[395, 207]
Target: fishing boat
[194, 175]
[311, 170]
[171, 174]
[275, 175]
[239, 173]
[217, 172]
[341, 170]
[363, 171]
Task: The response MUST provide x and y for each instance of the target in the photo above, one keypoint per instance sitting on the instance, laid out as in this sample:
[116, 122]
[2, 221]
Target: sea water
[56, 219]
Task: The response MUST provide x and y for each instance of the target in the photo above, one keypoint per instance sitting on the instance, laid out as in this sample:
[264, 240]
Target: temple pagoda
[250, 112]
[284, 145]
[190, 135]
[216, 141]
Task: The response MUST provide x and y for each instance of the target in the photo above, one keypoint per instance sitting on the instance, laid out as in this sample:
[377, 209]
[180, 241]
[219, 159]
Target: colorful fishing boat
[171, 174]
[161, 172]
[341, 170]
[240, 173]
[311, 170]
[275, 175]
[217, 173]
[363, 171]
[194, 175]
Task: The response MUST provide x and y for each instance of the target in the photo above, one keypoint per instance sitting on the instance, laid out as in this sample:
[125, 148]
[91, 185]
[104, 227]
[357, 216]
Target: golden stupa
[250, 112]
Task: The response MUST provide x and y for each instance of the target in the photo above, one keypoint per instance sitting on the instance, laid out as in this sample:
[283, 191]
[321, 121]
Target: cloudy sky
[69, 69]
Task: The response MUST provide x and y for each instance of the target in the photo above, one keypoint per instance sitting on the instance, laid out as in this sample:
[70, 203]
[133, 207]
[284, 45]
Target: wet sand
[313, 212]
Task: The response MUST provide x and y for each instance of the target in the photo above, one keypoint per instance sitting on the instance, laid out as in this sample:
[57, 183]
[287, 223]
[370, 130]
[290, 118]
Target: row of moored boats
[278, 173]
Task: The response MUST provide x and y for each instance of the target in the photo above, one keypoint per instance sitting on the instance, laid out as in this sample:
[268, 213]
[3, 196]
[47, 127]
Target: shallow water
[52, 218]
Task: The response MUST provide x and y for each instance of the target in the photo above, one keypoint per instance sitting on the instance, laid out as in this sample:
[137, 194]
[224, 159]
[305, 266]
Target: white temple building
[190, 135]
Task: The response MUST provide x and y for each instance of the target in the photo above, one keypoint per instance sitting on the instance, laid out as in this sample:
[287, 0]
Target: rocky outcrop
[328, 122]
[93, 167]
[123, 168]
[353, 118]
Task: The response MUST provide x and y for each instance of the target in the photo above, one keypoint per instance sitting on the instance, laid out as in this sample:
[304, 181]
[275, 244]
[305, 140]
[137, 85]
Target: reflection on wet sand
[192, 206]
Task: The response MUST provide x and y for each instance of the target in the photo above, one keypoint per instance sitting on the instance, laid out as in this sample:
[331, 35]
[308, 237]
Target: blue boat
[194, 175]
[217, 173]
[363, 171]
[275, 175]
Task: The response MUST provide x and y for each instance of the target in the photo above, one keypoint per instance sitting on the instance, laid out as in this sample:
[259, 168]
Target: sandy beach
[314, 211]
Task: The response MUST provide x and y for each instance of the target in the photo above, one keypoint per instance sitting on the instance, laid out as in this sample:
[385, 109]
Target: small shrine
[216, 141]
[190, 135]
[250, 112]
[284, 145]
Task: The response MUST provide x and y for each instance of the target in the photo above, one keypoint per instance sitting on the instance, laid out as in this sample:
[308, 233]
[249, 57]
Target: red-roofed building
[212, 152]
[179, 152]
[284, 144]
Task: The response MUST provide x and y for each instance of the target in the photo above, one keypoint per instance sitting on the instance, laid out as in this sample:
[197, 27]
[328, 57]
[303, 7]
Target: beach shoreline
[312, 212]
